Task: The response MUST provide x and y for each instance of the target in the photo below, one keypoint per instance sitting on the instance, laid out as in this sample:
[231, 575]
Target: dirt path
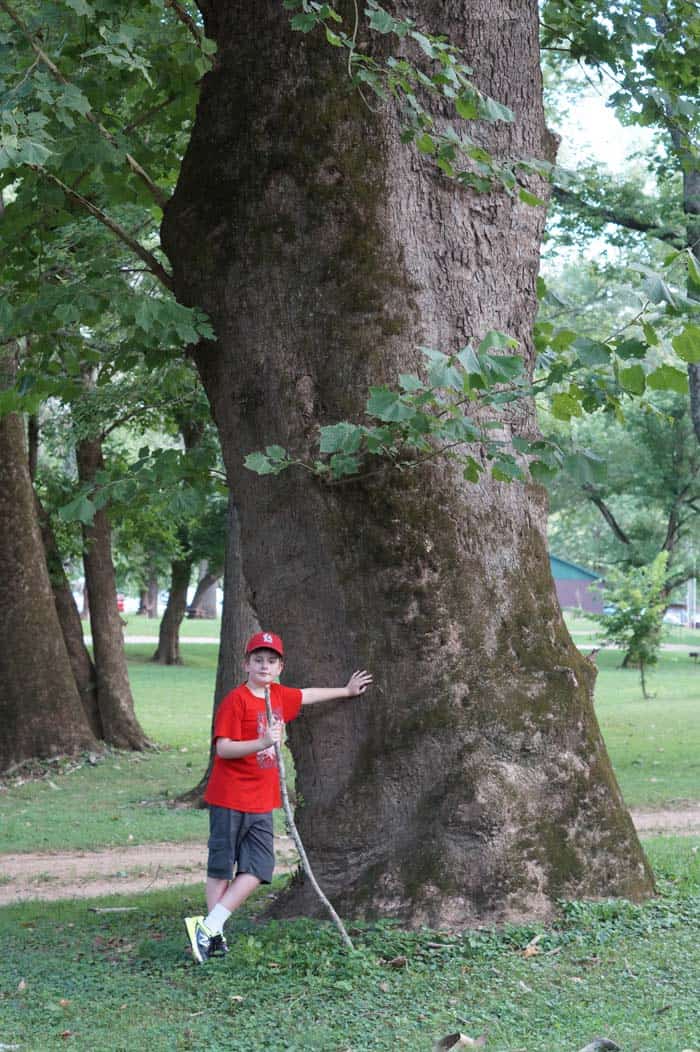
[133, 870]
[111, 871]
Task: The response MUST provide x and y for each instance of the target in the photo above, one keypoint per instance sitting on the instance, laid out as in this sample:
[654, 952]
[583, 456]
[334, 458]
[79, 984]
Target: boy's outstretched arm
[357, 684]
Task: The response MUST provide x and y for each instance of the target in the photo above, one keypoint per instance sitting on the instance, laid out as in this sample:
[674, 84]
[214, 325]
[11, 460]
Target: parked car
[120, 602]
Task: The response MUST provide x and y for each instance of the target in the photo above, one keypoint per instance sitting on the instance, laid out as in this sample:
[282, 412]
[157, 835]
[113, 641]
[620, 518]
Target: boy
[243, 787]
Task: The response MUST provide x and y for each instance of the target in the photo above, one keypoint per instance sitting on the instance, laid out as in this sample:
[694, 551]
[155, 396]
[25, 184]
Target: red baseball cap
[265, 641]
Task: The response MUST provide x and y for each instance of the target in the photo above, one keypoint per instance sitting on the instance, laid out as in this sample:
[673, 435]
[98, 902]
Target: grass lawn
[654, 745]
[189, 629]
[127, 798]
[70, 977]
[118, 981]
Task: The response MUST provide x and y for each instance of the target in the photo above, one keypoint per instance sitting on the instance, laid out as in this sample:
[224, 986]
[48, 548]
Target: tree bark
[168, 649]
[203, 603]
[148, 600]
[40, 710]
[472, 784]
[116, 703]
[69, 618]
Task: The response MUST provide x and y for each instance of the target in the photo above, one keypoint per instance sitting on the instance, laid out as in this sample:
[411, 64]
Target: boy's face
[263, 667]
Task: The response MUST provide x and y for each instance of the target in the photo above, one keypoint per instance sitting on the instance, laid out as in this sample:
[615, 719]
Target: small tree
[636, 599]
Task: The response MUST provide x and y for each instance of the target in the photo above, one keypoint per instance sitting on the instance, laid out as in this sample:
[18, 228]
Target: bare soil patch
[111, 871]
[133, 870]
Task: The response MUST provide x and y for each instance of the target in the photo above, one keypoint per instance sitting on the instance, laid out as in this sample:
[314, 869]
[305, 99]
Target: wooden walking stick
[291, 826]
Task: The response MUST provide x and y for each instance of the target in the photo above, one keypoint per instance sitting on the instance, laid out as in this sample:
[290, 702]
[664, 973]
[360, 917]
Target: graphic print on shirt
[266, 757]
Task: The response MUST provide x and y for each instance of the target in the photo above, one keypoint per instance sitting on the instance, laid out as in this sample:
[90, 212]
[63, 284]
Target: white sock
[215, 920]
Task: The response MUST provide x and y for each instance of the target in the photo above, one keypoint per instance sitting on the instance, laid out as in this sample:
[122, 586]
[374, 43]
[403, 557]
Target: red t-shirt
[250, 783]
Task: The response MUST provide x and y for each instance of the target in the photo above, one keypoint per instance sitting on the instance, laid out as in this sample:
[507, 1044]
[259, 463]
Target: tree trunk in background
[168, 649]
[203, 603]
[691, 207]
[116, 704]
[40, 710]
[71, 625]
[148, 600]
[471, 784]
[238, 624]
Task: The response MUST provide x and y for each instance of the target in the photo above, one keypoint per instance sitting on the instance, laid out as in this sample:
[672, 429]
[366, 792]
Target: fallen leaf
[384, 987]
[525, 987]
[22, 985]
[397, 962]
[532, 949]
[67, 1033]
[236, 997]
[64, 1002]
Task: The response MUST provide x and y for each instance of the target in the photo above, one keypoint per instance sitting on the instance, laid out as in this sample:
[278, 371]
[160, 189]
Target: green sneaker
[200, 938]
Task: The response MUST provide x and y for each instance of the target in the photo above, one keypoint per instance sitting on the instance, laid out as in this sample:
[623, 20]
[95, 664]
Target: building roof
[562, 570]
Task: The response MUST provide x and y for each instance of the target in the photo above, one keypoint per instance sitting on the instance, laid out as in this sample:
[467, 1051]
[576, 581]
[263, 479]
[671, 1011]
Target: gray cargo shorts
[242, 839]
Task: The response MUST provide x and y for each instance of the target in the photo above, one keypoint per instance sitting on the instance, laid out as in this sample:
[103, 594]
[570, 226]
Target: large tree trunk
[168, 649]
[203, 603]
[116, 703]
[472, 783]
[40, 710]
[84, 671]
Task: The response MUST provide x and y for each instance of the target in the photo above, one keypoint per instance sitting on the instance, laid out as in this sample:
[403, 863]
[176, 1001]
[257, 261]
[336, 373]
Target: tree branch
[623, 219]
[158, 195]
[156, 268]
[186, 19]
[606, 513]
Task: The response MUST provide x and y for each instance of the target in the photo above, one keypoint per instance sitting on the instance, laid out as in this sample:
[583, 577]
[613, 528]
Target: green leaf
[80, 7]
[633, 379]
[380, 20]
[530, 199]
[687, 344]
[276, 452]
[467, 106]
[303, 23]
[498, 340]
[441, 372]
[564, 406]
[426, 144]
[650, 334]
[387, 405]
[260, 464]
[490, 110]
[584, 467]
[591, 352]
[341, 438]
[472, 470]
[658, 291]
[467, 357]
[81, 509]
[666, 378]
[411, 383]
[631, 348]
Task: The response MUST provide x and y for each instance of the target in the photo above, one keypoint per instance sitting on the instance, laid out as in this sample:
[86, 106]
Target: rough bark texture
[40, 710]
[116, 704]
[472, 783]
[168, 649]
[69, 619]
